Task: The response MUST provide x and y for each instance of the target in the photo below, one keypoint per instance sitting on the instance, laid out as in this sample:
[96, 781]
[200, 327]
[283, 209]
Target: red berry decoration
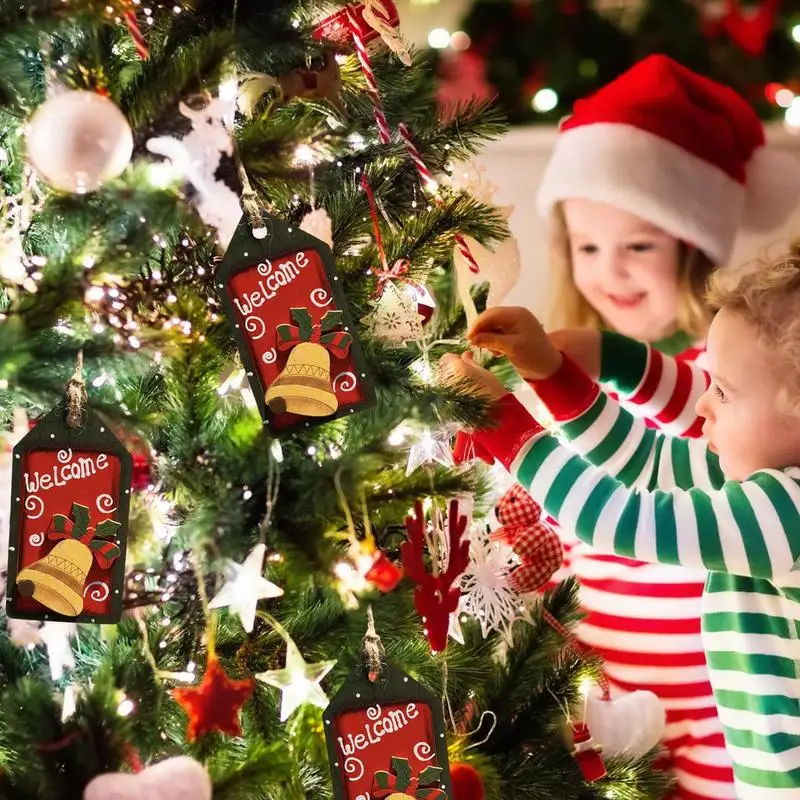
[466, 782]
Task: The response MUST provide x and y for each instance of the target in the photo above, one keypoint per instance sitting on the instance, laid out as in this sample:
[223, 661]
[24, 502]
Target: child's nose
[614, 264]
[703, 407]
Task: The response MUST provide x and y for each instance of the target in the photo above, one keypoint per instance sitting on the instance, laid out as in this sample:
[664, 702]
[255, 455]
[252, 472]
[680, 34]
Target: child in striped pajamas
[730, 506]
[621, 221]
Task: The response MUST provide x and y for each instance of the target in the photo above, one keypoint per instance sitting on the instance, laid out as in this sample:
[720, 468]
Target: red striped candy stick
[136, 33]
[429, 182]
[372, 83]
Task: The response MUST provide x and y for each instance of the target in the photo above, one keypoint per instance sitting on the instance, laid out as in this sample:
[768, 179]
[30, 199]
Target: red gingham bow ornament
[535, 543]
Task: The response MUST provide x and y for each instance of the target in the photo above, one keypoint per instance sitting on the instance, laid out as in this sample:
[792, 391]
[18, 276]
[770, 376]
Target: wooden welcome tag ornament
[292, 326]
[386, 734]
[71, 485]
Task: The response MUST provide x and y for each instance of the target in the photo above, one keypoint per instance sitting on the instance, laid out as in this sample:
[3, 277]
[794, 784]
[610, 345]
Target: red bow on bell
[337, 342]
[384, 784]
[105, 552]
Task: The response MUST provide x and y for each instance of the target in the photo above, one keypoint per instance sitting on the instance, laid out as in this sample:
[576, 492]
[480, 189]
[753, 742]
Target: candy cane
[372, 83]
[136, 34]
[430, 183]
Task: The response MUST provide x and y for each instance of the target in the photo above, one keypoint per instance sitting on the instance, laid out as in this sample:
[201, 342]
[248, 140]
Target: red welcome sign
[264, 296]
[70, 502]
[52, 480]
[368, 739]
[369, 723]
[292, 325]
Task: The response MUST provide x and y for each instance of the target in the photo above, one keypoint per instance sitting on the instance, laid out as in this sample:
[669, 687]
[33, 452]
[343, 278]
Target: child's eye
[589, 249]
[641, 247]
[719, 393]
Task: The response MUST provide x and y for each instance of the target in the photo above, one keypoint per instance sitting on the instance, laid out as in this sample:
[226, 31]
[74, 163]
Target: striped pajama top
[627, 489]
[644, 619]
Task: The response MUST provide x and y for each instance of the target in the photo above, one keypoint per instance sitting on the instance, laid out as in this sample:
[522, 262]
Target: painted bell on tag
[57, 580]
[304, 385]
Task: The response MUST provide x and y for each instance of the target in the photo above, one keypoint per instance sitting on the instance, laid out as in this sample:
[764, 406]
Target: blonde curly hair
[767, 294]
[570, 309]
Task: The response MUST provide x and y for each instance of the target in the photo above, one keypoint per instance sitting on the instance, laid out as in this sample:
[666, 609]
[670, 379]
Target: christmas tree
[227, 248]
[540, 56]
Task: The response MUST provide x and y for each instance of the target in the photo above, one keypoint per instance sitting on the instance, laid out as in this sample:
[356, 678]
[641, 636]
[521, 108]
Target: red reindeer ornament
[435, 597]
[534, 542]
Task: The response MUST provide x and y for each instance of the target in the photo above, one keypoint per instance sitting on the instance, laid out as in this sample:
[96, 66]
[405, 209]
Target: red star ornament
[214, 705]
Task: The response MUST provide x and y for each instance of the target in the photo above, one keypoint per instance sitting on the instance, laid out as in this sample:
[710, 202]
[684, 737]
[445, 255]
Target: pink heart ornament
[628, 725]
[180, 778]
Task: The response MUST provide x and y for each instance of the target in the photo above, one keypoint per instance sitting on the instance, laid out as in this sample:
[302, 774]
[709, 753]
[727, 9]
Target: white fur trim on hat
[650, 177]
[773, 189]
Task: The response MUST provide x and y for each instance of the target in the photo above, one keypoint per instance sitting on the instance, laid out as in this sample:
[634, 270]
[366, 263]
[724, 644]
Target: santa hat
[677, 149]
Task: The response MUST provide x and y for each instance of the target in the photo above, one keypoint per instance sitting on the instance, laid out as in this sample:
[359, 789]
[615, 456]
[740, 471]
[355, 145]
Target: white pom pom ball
[78, 140]
[180, 778]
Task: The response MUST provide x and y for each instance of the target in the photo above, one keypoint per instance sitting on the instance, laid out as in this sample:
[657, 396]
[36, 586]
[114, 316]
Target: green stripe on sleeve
[708, 532]
[766, 779]
[623, 362]
[576, 427]
[681, 465]
[612, 441]
[637, 463]
[757, 664]
[534, 458]
[592, 508]
[627, 527]
[755, 547]
[667, 539]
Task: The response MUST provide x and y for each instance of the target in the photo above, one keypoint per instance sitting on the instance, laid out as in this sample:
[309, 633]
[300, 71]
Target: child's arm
[747, 528]
[665, 388]
[601, 431]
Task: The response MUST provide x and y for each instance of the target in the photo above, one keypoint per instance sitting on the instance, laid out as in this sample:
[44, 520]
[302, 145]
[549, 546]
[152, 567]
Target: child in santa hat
[650, 180]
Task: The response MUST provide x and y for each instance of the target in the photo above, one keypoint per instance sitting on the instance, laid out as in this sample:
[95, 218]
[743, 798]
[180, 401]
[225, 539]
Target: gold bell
[56, 581]
[304, 384]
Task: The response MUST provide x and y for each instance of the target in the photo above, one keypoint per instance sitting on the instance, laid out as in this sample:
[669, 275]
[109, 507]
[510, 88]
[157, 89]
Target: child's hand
[518, 335]
[582, 345]
[453, 369]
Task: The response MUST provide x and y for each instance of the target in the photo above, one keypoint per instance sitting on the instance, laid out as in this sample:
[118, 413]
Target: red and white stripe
[668, 391]
[135, 31]
[429, 182]
[372, 84]
[644, 619]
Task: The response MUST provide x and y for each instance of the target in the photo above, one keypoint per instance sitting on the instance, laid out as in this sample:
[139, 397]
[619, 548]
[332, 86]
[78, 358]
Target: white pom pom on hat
[677, 149]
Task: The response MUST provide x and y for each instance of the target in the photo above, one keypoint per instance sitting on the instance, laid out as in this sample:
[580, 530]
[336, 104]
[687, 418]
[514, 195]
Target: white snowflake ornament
[486, 593]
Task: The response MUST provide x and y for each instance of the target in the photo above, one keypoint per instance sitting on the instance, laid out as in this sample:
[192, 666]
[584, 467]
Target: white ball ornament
[78, 140]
